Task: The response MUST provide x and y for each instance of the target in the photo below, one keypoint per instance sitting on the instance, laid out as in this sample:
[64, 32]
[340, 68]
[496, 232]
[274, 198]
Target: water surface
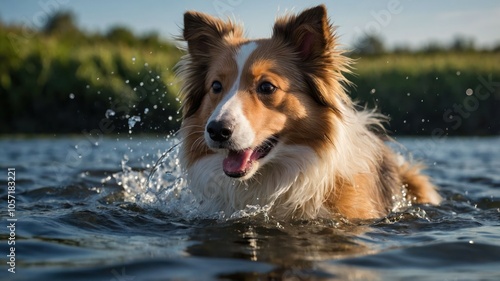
[86, 211]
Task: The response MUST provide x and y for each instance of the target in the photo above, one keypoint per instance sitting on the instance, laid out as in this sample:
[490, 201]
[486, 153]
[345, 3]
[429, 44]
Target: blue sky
[398, 22]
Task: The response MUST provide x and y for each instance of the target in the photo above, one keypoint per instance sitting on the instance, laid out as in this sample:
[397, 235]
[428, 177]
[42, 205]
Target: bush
[425, 93]
[52, 86]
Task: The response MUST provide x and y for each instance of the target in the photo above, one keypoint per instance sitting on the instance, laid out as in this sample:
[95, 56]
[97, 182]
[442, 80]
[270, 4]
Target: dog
[268, 122]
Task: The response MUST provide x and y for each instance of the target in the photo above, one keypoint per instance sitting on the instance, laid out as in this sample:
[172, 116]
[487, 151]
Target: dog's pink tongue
[237, 163]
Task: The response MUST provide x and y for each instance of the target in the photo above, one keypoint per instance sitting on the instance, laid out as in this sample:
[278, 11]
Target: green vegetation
[63, 80]
[457, 92]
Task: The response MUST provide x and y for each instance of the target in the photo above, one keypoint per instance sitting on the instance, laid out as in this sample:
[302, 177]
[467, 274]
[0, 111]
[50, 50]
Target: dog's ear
[311, 36]
[203, 32]
[205, 35]
[309, 32]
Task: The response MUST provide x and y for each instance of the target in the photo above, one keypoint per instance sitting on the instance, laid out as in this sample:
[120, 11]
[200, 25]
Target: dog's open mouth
[238, 163]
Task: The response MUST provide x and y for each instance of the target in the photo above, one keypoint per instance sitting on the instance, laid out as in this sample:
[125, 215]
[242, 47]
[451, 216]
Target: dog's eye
[266, 88]
[216, 87]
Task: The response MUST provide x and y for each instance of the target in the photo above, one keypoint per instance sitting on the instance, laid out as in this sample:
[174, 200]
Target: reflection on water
[93, 215]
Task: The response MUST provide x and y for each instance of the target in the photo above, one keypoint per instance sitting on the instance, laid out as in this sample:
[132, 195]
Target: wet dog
[268, 122]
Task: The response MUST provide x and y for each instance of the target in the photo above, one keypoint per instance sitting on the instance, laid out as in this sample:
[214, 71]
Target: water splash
[164, 187]
[159, 162]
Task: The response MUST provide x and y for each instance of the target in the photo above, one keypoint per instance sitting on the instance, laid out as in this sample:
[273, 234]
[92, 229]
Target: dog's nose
[219, 131]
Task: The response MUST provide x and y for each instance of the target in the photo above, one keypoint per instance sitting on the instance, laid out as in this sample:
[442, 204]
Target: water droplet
[469, 92]
[155, 106]
[71, 95]
[423, 120]
[372, 91]
[471, 242]
[146, 64]
[133, 58]
[437, 78]
[109, 113]
[127, 81]
[458, 73]
[141, 84]
[408, 94]
[404, 121]
[170, 118]
[146, 110]
[97, 78]
[132, 121]
[407, 77]
[88, 86]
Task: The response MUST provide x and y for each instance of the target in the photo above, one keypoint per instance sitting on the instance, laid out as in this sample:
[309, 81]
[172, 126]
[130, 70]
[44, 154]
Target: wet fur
[331, 158]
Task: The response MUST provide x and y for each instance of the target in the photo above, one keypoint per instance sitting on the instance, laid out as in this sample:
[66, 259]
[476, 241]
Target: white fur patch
[230, 109]
[285, 185]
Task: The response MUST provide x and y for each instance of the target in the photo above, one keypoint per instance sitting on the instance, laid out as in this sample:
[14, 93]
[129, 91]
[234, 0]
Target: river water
[85, 209]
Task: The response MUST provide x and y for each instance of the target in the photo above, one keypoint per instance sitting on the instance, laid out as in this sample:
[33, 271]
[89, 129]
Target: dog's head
[247, 98]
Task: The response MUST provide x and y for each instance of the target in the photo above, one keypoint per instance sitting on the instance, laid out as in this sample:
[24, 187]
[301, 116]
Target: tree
[462, 44]
[496, 48]
[369, 45]
[61, 23]
[151, 39]
[433, 47]
[121, 34]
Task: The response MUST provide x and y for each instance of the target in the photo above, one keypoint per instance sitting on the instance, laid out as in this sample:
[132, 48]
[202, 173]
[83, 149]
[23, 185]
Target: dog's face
[247, 98]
